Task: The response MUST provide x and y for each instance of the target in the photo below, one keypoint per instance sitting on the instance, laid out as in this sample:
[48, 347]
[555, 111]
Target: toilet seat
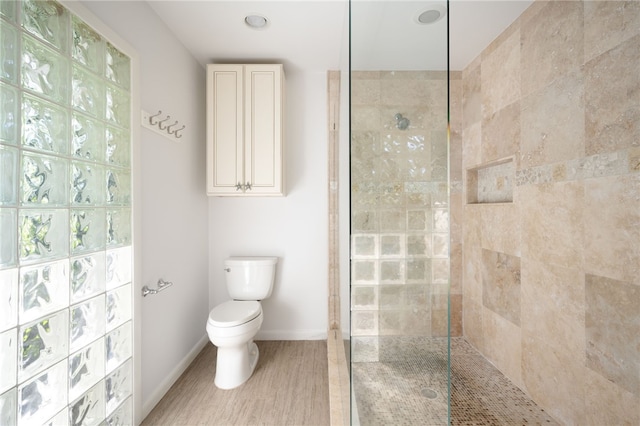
[234, 313]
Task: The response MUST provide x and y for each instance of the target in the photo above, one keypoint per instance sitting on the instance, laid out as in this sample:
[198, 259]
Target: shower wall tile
[612, 322]
[472, 96]
[503, 344]
[500, 227]
[553, 306]
[365, 91]
[472, 145]
[553, 122]
[607, 24]
[501, 133]
[500, 73]
[551, 44]
[501, 284]
[607, 403]
[563, 397]
[612, 104]
[612, 227]
[552, 223]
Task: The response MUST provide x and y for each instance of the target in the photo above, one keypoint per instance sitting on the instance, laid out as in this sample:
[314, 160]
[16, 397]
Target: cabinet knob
[247, 186]
[238, 186]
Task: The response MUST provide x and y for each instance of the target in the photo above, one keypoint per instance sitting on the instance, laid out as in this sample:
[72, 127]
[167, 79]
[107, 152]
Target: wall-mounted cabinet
[245, 105]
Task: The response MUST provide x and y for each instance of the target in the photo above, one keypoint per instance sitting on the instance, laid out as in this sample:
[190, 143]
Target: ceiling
[313, 35]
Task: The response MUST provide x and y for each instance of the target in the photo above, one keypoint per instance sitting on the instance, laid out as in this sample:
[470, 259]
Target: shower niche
[491, 182]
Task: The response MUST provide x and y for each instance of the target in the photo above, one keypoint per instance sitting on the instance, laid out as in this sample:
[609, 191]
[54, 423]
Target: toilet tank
[250, 278]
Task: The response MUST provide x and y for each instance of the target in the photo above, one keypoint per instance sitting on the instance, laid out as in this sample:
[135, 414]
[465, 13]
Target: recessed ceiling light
[256, 21]
[431, 14]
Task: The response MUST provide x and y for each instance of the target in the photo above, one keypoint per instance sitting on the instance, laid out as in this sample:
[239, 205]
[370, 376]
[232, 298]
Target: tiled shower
[542, 209]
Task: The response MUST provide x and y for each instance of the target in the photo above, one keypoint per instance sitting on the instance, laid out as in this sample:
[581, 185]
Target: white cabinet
[245, 130]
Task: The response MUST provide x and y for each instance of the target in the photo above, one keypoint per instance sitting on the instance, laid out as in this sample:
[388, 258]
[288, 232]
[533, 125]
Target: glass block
[118, 227]
[118, 67]
[87, 184]
[43, 234]
[9, 106]
[43, 343]
[118, 306]
[44, 289]
[118, 267]
[44, 71]
[9, 173]
[117, 107]
[87, 230]
[118, 147]
[440, 270]
[60, 419]
[440, 220]
[418, 270]
[9, 401]
[46, 20]
[10, 52]
[118, 346]
[87, 276]
[8, 298]
[123, 415]
[392, 245]
[8, 359]
[118, 386]
[88, 410]
[118, 187]
[44, 125]
[87, 322]
[440, 245]
[9, 232]
[364, 272]
[43, 180]
[392, 271]
[87, 138]
[86, 368]
[88, 46]
[365, 246]
[42, 397]
[87, 93]
[419, 245]
[8, 10]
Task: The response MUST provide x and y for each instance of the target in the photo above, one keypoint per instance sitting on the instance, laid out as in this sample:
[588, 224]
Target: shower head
[402, 122]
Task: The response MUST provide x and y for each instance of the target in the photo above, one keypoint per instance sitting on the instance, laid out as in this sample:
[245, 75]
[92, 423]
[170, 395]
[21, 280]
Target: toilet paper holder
[162, 284]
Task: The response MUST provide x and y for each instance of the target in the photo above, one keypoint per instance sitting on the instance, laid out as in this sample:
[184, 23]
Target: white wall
[294, 228]
[173, 200]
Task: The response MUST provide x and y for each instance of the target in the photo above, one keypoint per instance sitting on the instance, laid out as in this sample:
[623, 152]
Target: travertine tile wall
[551, 281]
[400, 210]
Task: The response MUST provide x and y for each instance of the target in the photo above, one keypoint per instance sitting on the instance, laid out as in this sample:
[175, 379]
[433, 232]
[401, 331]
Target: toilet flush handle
[227, 269]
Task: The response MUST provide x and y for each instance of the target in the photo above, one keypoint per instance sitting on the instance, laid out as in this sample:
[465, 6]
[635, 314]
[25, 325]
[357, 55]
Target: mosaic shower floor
[408, 386]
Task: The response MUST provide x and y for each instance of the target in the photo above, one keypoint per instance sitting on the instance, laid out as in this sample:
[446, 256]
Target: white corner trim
[175, 374]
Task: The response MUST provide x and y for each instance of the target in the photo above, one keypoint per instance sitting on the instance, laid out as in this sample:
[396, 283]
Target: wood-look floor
[289, 387]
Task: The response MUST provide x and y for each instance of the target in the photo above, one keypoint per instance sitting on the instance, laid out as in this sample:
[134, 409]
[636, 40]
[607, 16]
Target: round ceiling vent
[431, 14]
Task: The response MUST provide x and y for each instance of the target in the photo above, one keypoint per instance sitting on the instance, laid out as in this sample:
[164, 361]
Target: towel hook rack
[156, 123]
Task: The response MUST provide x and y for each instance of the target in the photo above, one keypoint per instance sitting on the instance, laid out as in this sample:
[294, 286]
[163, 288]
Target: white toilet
[232, 325]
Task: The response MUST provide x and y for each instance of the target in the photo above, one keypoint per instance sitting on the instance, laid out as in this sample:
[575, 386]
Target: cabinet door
[225, 129]
[263, 129]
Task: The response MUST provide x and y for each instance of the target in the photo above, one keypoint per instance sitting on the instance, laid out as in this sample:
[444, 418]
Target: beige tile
[472, 145]
[612, 99]
[472, 323]
[608, 404]
[501, 133]
[500, 75]
[612, 322]
[501, 284]
[502, 345]
[472, 97]
[365, 92]
[554, 380]
[553, 122]
[607, 24]
[552, 43]
[552, 223]
[612, 227]
[500, 227]
[553, 307]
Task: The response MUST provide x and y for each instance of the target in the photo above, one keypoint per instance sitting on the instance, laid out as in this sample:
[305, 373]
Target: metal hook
[178, 136]
[152, 116]
[172, 125]
[160, 126]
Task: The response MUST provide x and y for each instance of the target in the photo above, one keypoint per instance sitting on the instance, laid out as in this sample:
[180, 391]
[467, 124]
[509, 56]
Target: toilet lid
[234, 312]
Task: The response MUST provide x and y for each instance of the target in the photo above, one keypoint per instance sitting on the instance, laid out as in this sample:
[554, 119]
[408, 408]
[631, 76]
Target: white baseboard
[292, 335]
[166, 384]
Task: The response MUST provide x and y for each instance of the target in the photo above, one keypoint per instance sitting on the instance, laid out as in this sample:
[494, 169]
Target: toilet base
[234, 365]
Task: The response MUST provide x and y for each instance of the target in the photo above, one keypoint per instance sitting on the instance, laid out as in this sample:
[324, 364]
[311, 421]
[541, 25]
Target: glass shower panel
[399, 212]
[65, 221]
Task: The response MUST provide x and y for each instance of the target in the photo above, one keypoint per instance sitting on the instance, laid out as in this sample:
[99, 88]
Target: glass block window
[65, 221]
